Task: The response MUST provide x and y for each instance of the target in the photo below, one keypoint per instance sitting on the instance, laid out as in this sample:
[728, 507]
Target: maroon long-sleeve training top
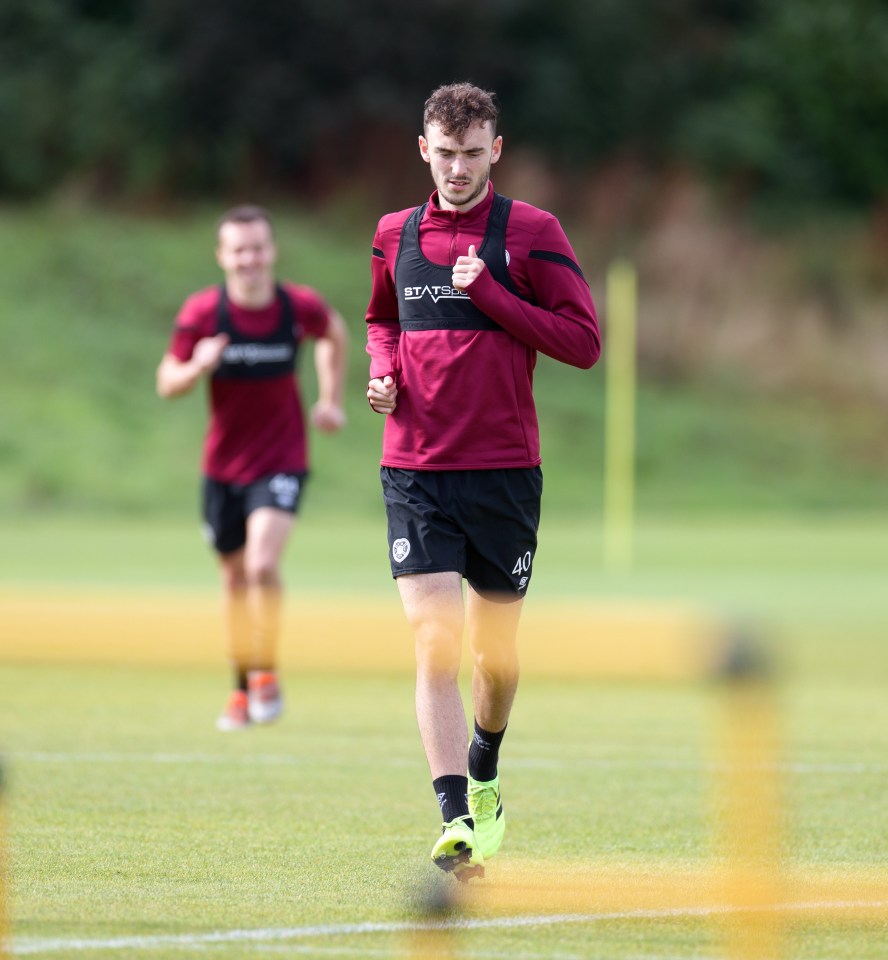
[465, 396]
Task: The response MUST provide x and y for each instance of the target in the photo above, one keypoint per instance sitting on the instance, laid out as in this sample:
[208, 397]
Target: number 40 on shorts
[522, 564]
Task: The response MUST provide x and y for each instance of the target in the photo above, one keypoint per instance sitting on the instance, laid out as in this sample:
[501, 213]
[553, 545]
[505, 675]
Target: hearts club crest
[400, 549]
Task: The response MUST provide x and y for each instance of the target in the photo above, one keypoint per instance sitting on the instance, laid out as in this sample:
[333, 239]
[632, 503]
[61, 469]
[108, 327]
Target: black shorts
[480, 523]
[226, 506]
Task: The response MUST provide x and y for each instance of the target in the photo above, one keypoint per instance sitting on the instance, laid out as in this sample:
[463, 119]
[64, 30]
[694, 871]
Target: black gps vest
[427, 299]
[252, 358]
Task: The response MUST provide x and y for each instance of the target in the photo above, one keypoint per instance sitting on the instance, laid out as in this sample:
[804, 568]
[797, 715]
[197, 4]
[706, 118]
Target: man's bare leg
[492, 627]
[434, 607]
[267, 532]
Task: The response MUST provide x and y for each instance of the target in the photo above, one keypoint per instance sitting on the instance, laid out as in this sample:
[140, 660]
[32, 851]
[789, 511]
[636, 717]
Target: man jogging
[243, 338]
[467, 289]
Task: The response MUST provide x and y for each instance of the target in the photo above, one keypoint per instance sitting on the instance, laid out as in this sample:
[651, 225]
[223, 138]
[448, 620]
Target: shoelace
[454, 821]
[483, 801]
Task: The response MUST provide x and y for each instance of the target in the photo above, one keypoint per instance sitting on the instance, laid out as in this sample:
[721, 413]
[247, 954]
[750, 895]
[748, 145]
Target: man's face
[460, 168]
[246, 253]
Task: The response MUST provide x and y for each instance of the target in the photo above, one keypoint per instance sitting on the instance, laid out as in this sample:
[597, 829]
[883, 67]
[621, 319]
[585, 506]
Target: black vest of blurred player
[255, 358]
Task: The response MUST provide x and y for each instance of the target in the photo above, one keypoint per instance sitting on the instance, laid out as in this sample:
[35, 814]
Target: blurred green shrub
[159, 96]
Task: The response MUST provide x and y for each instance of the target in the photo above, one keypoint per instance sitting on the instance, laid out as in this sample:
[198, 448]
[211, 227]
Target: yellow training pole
[619, 427]
[748, 810]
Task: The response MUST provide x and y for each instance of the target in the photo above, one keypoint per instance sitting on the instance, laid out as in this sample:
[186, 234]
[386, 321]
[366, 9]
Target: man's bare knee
[499, 666]
[438, 647]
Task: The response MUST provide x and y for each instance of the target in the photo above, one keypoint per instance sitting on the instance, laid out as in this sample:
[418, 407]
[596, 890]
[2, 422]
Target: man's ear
[424, 148]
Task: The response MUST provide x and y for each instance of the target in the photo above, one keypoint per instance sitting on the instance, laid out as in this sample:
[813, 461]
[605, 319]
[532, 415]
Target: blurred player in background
[243, 337]
[467, 288]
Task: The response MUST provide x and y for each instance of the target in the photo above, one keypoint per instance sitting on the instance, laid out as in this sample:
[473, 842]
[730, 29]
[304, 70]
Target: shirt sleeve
[312, 311]
[383, 327]
[561, 322]
[193, 322]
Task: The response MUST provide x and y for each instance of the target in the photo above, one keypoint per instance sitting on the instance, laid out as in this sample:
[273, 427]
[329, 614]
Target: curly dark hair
[454, 107]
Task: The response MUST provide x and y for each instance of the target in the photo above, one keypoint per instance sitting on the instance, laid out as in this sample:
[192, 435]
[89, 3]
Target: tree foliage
[160, 95]
[802, 102]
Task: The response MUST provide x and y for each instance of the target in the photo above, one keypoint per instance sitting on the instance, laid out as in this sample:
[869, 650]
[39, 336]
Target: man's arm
[330, 352]
[562, 322]
[383, 333]
[176, 377]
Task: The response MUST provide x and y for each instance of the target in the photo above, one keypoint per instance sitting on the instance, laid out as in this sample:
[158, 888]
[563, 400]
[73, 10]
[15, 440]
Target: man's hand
[177, 377]
[383, 395]
[327, 417]
[208, 352]
[467, 269]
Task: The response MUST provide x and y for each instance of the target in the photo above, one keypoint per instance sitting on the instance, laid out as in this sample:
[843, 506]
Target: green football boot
[486, 809]
[457, 851]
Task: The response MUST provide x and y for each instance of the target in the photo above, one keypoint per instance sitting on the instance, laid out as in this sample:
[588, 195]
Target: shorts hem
[401, 572]
[460, 467]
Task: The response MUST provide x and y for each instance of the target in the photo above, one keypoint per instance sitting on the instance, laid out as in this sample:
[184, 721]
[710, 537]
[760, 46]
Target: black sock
[451, 793]
[240, 679]
[484, 753]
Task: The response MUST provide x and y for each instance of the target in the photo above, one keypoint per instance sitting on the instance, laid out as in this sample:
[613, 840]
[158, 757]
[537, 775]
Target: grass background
[86, 309]
[237, 833]
[128, 816]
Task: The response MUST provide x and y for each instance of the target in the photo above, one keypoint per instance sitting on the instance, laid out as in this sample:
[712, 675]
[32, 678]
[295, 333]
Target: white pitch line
[290, 950]
[312, 949]
[34, 946]
[787, 766]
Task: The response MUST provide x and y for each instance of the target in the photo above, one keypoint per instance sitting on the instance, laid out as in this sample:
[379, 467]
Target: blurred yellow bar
[619, 431]
[696, 893]
[856, 894]
[634, 640]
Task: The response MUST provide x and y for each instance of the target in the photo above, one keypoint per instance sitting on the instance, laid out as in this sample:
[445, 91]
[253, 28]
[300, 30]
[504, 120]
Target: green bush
[154, 96]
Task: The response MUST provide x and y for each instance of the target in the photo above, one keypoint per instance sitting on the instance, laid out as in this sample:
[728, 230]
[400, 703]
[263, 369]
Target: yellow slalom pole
[748, 809]
[619, 427]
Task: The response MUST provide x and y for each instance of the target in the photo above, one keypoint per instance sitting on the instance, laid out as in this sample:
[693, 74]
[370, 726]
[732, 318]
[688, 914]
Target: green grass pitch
[134, 830]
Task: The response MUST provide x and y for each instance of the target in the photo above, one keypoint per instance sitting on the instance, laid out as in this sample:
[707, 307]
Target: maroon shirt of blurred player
[243, 337]
[467, 290]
